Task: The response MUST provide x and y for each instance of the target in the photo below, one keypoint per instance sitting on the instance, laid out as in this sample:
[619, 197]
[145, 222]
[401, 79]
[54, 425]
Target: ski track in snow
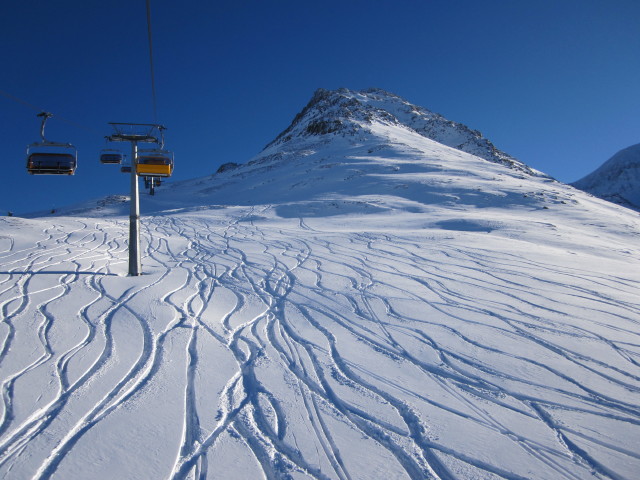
[309, 354]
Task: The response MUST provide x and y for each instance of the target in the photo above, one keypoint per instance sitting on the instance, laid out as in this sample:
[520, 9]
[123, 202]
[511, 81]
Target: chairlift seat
[111, 158]
[154, 165]
[47, 163]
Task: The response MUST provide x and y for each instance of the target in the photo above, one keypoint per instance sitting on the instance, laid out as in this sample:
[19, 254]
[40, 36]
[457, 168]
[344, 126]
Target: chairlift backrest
[155, 157]
[111, 158]
[154, 163]
[154, 160]
[50, 161]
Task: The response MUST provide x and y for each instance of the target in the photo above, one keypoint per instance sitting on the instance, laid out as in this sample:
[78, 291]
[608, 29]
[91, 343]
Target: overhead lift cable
[20, 101]
[153, 80]
[84, 127]
[38, 109]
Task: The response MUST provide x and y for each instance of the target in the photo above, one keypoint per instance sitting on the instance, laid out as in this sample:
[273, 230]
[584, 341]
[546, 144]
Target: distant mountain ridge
[617, 180]
[349, 112]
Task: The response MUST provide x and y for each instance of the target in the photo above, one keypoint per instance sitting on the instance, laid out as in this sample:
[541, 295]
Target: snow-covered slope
[617, 180]
[361, 303]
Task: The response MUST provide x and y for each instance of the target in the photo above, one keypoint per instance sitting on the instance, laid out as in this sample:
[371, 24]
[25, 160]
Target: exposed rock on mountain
[350, 113]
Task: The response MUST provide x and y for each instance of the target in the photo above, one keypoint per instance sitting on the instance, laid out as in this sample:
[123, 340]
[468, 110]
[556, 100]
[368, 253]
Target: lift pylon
[135, 133]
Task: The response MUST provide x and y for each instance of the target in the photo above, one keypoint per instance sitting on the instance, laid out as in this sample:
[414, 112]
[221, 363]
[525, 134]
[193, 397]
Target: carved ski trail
[325, 341]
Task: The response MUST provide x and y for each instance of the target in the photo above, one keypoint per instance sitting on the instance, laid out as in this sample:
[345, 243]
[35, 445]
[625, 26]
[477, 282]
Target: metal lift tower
[135, 133]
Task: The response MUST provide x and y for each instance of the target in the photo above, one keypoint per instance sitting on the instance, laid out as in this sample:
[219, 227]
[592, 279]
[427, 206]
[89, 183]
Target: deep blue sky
[554, 83]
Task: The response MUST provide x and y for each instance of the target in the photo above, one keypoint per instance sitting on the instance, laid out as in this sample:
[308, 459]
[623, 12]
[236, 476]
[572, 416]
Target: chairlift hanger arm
[45, 116]
[161, 129]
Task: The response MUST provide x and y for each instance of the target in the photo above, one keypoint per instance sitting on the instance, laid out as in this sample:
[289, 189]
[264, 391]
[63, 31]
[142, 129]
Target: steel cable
[38, 109]
[153, 81]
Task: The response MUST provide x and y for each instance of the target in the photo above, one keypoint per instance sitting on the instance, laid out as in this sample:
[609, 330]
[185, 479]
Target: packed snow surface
[367, 306]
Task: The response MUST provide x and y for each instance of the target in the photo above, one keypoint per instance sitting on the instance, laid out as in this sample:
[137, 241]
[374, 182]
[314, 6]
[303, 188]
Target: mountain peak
[349, 113]
[616, 180]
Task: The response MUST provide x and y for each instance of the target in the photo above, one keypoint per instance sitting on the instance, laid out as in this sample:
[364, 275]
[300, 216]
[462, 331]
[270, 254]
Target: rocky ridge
[349, 113]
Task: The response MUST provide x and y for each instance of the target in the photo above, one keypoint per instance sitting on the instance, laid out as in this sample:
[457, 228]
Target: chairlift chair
[51, 158]
[154, 163]
[111, 156]
[50, 162]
